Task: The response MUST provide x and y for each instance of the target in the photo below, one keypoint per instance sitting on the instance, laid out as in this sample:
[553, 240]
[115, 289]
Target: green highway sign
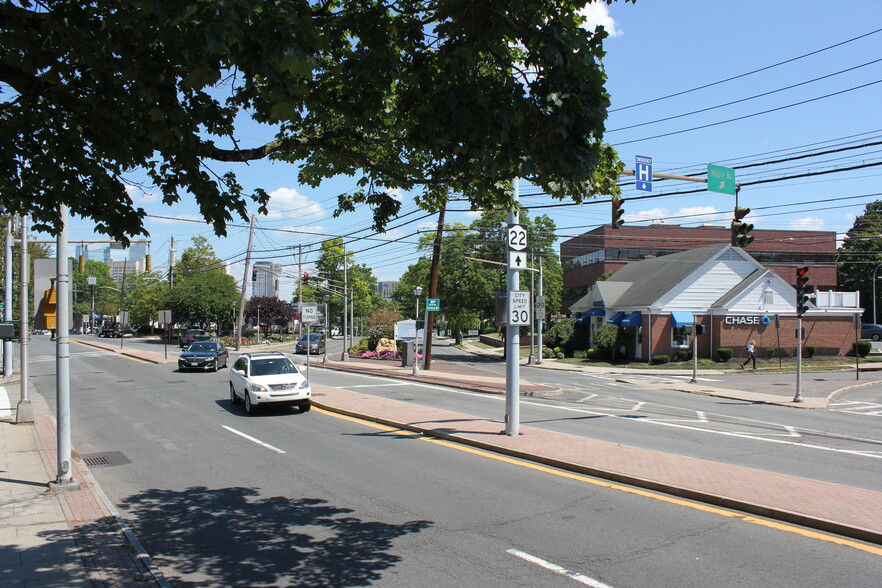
[720, 179]
[433, 304]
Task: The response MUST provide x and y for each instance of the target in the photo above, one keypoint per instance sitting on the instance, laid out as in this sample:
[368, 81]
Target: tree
[272, 311]
[447, 95]
[360, 278]
[206, 297]
[860, 255]
[196, 259]
[146, 294]
[107, 292]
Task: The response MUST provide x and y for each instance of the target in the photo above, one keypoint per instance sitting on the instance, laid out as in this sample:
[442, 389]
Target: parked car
[314, 341]
[335, 332]
[268, 378]
[190, 336]
[204, 355]
[871, 331]
[109, 330]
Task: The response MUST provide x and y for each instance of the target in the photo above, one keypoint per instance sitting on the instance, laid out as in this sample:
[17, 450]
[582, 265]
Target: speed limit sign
[519, 308]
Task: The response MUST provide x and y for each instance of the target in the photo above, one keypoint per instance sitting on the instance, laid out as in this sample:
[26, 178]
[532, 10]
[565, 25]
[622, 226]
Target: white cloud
[316, 229]
[393, 234]
[395, 193]
[651, 215]
[690, 215]
[809, 223]
[139, 196]
[289, 203]
[427, 225]
[474, 214]
[597, 14]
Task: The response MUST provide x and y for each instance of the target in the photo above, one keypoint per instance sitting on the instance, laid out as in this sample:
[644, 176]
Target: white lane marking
[499, 398]
[5, 404]
[250, 438]
[581, 578]
[589, 397]
[376, 385]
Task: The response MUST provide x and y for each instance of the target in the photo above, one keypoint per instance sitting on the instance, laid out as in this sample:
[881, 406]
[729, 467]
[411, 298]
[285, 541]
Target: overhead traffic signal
[254, 275]
[617, 212]
[741, 236]
[306, 278]
[802, 296]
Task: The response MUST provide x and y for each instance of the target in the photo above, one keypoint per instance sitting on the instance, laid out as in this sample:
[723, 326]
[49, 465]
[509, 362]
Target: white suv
[268, 378]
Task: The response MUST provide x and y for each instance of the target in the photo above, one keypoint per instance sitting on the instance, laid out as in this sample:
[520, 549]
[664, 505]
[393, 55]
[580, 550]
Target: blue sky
[656, 49]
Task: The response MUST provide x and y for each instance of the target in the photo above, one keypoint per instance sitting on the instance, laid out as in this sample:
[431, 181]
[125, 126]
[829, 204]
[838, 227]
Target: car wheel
[876, 337]
[214, 366]
[305, 406]
[233, 398]
[249, 408]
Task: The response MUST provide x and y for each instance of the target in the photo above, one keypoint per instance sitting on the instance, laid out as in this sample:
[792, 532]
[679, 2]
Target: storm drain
[106, 459]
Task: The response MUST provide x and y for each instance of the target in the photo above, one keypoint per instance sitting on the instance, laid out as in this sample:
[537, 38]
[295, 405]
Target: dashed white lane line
[581, 578]
[253, 439]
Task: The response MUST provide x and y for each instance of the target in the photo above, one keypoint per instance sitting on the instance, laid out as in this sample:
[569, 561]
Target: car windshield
[205, 346]
[313, 338]
[272, 366]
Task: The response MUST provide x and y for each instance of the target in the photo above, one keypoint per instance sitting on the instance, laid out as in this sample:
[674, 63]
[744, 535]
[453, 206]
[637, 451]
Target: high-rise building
[118, 267]
[386, 288]
[267, 283]
[137, 251]
[93, 253]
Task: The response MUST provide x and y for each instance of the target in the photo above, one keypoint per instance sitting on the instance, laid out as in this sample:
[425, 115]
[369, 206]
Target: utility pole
[344, 355]
[64, 479]
[539, 321]
[244, 285]
[433, 289]
[122, 301]
[24, 411]
[300, 297]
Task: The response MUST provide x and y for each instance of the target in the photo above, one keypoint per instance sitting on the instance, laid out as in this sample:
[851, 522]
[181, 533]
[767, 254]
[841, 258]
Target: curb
[825, 525]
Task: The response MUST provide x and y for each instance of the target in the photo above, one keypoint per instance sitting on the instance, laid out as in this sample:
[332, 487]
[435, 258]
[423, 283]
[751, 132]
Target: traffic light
[617, 212]
[254, 275]
[741, 236]
[802, 296]
[306, 278]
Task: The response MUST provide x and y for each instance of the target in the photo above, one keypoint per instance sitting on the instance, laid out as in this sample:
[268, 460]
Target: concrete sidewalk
[49, 537]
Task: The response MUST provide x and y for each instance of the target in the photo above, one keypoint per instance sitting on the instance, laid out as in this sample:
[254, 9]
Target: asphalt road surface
[222, 499]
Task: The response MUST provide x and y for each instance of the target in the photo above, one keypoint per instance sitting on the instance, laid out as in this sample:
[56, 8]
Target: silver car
[268, 378]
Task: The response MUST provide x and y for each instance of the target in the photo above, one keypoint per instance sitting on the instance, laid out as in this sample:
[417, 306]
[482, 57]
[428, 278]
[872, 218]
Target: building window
[679, 338]
[769, 297]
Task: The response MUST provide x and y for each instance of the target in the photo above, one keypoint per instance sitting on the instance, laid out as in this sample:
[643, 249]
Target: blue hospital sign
[643, 173]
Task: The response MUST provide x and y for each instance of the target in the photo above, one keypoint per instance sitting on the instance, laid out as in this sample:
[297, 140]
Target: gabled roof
[648, 280]
[725, 300]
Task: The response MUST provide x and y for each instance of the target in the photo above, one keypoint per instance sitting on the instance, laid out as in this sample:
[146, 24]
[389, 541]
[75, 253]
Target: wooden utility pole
[433, 288]
[244, 285]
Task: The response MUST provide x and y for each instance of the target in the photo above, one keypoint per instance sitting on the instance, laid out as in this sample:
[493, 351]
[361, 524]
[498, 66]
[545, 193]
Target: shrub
[657, 359]
[558, 350]
[770, 352]
[863, 348]
[808, 351]
[559, 355]
[547, 352]
[724, 353]
[684, 355]
[579, 354]
[561, 331]
[591, 354]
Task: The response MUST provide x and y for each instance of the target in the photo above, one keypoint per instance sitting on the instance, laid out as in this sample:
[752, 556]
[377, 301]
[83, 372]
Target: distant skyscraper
[137, 251]
[267, 283]
[386, 288]
[94, 253]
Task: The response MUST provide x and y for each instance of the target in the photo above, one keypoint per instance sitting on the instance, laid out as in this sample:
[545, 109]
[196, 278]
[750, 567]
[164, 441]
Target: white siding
[707, 285]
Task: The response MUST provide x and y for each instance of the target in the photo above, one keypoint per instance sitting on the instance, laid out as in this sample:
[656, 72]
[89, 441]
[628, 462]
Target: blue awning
[681, 318]
[635, 319]
[617, 318]
[585, 319]
[597, 312]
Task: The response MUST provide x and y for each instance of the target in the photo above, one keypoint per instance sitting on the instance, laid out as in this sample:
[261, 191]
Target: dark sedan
[869, 331]
[314, 341]
[204, 355]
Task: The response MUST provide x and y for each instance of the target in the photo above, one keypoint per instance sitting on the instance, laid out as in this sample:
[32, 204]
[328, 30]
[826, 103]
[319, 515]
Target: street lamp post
[417, 292]
[258, 324]
[92, 280]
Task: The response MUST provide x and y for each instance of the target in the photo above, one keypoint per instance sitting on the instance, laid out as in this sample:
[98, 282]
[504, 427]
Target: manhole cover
[106, 459]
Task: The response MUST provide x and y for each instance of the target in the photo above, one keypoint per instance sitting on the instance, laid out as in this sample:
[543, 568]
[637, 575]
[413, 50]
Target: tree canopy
[860, 255]
[450, 95]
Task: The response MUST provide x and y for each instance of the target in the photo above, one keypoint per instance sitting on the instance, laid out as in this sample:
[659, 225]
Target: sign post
[309, 315]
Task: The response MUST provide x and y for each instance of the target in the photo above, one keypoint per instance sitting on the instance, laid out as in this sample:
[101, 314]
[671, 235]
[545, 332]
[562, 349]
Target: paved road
[350, 504]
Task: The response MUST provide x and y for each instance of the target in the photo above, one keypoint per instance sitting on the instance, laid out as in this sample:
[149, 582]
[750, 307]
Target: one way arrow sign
[517, 260]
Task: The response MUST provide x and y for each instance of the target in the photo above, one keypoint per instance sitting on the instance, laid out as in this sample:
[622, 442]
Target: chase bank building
[730, 298]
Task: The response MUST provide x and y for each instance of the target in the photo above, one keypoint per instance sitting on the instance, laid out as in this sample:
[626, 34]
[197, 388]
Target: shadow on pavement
[233, 537]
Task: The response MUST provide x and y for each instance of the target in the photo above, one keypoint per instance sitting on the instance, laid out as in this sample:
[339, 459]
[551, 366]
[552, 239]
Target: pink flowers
[380, 355]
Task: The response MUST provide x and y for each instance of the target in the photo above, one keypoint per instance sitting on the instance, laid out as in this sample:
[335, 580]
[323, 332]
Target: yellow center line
[622, 488]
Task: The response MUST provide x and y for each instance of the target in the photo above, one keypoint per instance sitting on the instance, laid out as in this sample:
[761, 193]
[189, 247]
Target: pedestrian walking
[751, 354]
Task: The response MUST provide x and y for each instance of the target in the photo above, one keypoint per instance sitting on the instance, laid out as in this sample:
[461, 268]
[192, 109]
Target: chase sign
[747, 320]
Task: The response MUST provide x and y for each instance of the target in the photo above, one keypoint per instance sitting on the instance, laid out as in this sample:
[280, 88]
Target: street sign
[517, 260]
[517, 238]
[643, 172]
[540, 308]
[309, 312]
[519, 308]
[433, 304]
[165, 317]
[720, 179]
